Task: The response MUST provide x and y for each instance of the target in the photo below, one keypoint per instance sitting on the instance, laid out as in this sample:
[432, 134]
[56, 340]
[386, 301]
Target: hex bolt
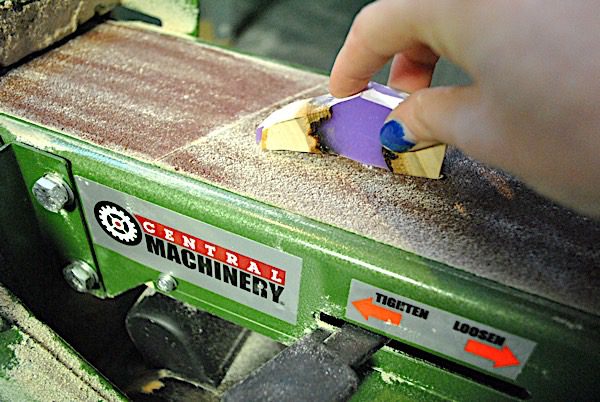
[52, 192]
[80, 276]
[166, 283]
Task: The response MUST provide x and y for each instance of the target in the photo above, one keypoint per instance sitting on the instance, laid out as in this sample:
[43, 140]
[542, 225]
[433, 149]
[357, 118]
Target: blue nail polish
[393, 137]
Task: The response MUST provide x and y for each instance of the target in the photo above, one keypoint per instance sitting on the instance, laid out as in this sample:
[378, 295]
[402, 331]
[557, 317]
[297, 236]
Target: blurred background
[306, 33]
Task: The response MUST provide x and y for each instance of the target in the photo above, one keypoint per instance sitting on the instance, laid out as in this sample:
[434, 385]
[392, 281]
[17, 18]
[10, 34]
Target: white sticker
[472, 342]
[232, 266]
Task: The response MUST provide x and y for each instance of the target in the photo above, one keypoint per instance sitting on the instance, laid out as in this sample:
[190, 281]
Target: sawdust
[410, 386]
[46, 369]
[390, 378]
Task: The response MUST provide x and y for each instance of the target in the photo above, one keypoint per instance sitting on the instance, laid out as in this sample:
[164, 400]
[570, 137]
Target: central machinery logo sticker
[261, 277]
[209, 259]
[193, 253]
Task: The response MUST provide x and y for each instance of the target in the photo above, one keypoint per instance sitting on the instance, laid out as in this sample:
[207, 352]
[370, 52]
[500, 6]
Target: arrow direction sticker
[473, 343]
[501, 357]
[367, 309]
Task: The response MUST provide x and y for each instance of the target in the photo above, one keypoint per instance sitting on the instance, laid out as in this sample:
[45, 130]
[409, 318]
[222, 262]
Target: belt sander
[137, 152]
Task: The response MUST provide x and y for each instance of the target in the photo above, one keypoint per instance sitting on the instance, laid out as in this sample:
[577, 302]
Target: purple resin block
[353, 129]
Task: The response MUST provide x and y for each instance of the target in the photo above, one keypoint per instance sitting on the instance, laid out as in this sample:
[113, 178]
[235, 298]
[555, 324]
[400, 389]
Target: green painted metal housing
[563, 366]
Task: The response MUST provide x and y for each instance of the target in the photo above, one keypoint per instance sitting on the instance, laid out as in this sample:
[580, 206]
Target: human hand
[534, 106]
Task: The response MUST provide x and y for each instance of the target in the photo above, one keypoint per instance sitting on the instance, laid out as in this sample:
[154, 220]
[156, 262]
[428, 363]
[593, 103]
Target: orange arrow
[367, 309]
[501, 357]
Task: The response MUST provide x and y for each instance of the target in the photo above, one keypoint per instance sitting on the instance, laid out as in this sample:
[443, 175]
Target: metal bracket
[63, 232]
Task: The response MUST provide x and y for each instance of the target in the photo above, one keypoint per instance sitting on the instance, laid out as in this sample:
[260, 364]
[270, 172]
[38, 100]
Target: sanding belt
[192, 108]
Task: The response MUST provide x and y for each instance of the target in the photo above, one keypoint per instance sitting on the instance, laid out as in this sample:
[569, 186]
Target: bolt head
[166, 283]
[52, 193]
[80, 276]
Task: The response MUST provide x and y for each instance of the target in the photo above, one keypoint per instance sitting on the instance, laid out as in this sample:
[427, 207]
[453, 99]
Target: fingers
[408, 28]
[379, 31]
[413, 69]
[451, 115]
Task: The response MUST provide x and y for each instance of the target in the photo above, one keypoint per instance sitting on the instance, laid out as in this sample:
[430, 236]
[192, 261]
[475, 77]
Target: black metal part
[353, 345]
[317, 368]
[193, 344]
[121, 13]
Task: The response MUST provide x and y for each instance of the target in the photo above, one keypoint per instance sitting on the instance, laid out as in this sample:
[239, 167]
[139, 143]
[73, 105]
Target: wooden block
[426, 162]
[294, 127]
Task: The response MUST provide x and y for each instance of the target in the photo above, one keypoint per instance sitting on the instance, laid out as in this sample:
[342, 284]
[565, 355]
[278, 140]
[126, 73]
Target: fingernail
[396, 137]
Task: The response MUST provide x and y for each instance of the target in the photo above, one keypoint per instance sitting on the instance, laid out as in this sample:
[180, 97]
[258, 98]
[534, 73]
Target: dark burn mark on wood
[389, 156]
[314, 133]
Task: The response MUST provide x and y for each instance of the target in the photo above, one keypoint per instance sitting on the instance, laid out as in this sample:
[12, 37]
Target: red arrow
[367, 309]
[501, 357]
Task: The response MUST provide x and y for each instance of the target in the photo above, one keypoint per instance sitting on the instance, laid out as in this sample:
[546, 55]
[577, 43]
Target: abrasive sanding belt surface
[194, 109]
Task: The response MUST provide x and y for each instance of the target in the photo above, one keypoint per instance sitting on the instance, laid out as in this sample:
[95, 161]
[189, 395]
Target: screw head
[52, 192]
[80, 276]
[166, 283]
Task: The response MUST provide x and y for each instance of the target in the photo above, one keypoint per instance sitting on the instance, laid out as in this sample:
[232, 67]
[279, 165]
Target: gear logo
[118, 223]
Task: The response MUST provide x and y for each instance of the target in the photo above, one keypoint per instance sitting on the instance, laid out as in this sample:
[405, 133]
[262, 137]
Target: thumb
[435, 115]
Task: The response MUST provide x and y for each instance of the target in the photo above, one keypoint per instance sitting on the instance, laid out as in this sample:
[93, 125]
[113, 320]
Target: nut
[52, 192]
[80, 276]
[166, 283]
